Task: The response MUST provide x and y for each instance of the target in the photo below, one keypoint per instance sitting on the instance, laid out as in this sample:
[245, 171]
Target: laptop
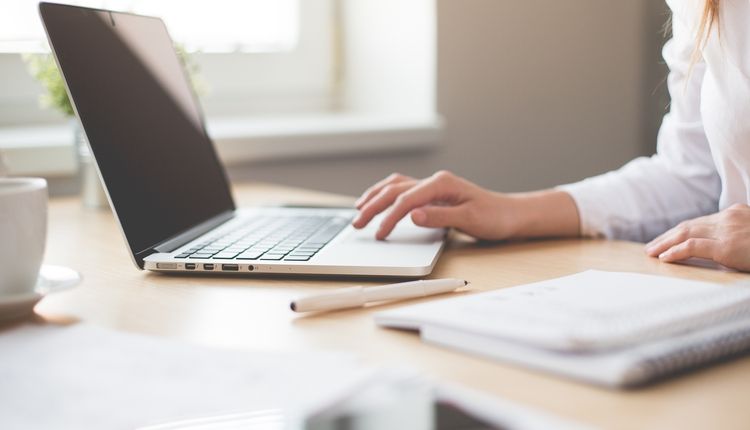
[165, 183]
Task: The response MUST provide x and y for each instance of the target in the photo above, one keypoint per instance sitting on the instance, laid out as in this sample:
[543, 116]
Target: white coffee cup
[23, 233]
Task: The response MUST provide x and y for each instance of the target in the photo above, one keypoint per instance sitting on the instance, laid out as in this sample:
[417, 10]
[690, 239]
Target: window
[285, 78]
[226, 25]
[256, 56]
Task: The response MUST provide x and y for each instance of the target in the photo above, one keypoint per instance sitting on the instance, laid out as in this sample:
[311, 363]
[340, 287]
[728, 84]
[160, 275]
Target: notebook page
[629, 367]
[590, 310]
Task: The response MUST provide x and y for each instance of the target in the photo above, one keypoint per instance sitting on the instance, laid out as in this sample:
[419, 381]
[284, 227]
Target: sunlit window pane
[205, 25]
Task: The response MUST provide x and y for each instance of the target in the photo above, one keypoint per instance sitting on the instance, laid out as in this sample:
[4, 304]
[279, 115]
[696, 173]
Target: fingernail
[664, 255]
[419, 216]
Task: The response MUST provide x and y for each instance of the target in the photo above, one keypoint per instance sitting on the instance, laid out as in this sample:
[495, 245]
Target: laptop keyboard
[288, 238]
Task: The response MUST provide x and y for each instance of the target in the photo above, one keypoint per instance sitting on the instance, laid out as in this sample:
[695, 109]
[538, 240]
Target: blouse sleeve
[649, 195]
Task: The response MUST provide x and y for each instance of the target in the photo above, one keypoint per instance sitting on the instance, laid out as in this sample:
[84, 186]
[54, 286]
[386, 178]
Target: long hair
[709, 18]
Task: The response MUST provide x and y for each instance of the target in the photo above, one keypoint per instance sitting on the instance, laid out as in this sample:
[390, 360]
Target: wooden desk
[253, 313]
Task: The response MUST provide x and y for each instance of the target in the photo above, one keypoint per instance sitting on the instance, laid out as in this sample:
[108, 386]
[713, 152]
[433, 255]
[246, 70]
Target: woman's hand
[442, 200]
[723, 237]
[446, 200]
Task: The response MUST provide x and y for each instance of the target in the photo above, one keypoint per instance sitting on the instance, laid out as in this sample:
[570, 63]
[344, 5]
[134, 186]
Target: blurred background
[335, 94]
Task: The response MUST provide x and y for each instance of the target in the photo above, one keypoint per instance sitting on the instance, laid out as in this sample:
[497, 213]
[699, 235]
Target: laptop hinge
[175, 242]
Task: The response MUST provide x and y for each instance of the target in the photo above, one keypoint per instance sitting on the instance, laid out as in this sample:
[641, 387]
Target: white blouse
[702, 164]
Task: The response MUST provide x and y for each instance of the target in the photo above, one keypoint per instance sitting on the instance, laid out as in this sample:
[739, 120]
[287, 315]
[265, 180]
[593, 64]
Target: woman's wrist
[548, 213]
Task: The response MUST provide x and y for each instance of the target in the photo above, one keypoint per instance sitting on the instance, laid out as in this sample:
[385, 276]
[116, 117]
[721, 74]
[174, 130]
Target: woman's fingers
[438, 188]
[700, 248]
[723, 237]
[439, 216]
[678, 229]
[380, 202]
[374, 190]
[677, 235]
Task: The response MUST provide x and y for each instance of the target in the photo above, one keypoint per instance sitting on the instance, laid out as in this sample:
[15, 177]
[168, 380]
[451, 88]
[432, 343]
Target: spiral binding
[696, 353]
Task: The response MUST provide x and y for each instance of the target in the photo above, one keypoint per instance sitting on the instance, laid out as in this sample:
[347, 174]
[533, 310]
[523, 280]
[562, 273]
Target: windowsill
[47, 150]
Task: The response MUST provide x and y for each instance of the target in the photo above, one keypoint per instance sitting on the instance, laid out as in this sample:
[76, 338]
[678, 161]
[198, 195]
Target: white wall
[375, 72]
[534, 93]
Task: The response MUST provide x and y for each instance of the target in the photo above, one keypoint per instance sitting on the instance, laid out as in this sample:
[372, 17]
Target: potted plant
[44, 69]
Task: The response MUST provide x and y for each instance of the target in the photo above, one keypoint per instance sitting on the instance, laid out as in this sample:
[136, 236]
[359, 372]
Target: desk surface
[254, 313]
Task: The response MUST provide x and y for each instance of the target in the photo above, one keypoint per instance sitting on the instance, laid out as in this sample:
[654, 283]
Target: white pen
[354, 297]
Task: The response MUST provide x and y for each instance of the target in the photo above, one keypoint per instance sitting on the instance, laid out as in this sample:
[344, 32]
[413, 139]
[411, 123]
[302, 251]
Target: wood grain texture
[253, 313]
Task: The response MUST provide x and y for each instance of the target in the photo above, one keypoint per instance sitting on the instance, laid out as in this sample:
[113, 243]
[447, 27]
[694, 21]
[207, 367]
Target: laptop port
[251, 267]
[190, 266]
[208, 267]
[230, 267]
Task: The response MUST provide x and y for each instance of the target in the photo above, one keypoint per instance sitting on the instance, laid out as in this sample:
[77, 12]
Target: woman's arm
[637, 202]
[651, 195]
[446, 200]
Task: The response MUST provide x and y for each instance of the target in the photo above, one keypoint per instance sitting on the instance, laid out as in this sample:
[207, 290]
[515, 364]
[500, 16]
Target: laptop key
[236, 249]
[226, 255]
[303, 252]
[297, 257]
[249, 255]
[280, 250]
[257, 249]
[272, 257]
[313, 245]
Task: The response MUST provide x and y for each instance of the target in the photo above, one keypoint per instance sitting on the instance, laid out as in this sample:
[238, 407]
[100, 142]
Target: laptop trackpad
[406, 232]
[407, 245]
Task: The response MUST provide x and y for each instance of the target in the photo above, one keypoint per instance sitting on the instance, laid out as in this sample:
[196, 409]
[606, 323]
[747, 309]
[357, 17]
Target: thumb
[438, 216]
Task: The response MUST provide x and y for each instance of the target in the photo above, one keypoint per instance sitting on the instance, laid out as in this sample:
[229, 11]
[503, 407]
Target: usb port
[190, 266]
[208, 267]
[230, 267]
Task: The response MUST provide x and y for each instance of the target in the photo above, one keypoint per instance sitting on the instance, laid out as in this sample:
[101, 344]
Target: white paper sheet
[81, 377]
[588, 311]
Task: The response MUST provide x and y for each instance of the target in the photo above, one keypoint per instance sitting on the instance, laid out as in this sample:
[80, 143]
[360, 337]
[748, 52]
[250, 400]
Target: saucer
[51, 279]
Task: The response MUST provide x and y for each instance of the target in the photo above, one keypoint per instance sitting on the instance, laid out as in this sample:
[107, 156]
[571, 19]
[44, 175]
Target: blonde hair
[709, 18]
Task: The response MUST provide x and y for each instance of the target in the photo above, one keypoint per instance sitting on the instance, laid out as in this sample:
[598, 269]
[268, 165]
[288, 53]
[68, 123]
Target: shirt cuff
[592, 211]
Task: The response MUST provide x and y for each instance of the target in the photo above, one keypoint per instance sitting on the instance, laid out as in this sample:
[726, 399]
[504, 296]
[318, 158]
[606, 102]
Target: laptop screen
[142, 121]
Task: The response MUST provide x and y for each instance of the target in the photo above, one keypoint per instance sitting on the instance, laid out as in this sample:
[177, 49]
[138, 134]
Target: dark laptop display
[142, 120]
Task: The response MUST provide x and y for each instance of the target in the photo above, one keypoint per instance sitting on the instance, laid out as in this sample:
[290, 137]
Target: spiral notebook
[609, 328]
